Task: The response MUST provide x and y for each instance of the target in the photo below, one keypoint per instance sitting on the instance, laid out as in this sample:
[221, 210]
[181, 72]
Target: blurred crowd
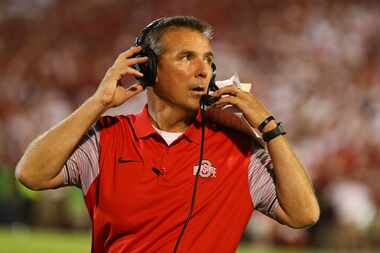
[315, 64]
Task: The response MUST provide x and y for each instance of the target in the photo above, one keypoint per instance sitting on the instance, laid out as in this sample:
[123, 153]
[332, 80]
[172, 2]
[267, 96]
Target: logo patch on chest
[207, 170]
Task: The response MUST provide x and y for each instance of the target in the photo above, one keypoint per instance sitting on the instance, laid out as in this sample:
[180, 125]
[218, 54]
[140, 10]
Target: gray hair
[153, 37]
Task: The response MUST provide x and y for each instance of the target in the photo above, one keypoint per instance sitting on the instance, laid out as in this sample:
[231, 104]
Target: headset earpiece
[149, 68]
[212, 86]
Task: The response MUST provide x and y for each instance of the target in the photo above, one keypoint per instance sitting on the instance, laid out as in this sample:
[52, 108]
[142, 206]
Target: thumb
[122, 94]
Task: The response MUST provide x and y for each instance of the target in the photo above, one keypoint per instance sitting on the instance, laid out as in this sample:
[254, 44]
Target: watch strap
[265, 122]
[270, 135]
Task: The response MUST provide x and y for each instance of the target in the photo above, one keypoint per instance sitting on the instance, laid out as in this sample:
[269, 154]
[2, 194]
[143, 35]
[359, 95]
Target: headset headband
[147, 29]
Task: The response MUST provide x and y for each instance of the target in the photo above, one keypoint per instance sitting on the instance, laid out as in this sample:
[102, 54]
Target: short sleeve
[262, 182]
[83, 164]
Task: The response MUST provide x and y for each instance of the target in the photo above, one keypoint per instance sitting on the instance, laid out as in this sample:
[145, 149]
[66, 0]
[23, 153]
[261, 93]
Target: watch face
[281, 128]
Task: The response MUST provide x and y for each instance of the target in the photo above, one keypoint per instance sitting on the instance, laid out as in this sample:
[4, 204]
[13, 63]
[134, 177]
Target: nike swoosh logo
[121, 160]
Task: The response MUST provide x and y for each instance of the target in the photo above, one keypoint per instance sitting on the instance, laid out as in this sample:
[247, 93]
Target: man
[137, 171]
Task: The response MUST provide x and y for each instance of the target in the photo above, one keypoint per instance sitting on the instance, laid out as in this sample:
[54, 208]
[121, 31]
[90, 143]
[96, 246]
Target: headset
[149, 69]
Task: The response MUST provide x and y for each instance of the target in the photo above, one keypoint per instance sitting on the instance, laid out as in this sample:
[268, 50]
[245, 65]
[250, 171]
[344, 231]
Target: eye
[210, 60]
[187, 56]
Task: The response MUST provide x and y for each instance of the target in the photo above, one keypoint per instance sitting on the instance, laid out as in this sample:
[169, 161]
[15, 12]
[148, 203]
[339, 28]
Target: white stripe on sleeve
[83, 165]
[261, 182]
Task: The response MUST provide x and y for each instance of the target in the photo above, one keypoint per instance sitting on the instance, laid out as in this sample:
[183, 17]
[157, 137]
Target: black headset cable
[203, 122]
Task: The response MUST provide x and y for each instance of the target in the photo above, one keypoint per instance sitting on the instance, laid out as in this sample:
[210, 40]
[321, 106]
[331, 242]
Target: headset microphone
[207, 99]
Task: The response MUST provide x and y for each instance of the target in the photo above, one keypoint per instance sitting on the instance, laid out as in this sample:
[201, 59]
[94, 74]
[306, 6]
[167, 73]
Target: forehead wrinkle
[184, 42]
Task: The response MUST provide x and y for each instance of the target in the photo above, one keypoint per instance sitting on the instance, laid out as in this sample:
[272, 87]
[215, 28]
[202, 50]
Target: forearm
[294, 187]
[46, 155]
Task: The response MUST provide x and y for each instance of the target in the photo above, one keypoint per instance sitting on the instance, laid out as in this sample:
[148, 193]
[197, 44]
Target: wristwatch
[278, 130]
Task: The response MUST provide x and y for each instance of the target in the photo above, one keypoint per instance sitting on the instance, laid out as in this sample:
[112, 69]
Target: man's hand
[254, 111]
[110, 93]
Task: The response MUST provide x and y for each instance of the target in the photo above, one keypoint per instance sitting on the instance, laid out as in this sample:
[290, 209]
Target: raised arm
[41, 165]
[298, 206]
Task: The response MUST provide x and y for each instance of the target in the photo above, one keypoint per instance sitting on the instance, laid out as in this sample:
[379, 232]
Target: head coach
[168, 179]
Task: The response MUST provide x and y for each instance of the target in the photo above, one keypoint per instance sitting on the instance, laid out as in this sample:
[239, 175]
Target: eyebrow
[210, 54]
[207, 54]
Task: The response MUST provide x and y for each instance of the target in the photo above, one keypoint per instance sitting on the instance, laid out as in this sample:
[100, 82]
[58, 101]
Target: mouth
[198, 90]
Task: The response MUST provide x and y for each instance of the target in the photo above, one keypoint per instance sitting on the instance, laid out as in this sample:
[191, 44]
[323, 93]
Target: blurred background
[315, 64]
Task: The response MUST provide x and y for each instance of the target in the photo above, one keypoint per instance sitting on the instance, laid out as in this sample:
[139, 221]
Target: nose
[202, 69]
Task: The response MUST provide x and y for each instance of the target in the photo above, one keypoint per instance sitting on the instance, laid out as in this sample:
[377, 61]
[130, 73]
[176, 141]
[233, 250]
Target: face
[184, 69]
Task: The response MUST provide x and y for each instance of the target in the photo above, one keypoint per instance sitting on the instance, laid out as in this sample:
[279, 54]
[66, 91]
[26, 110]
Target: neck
[167, 116]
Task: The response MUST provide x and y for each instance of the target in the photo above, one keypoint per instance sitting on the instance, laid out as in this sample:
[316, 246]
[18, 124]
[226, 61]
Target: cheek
[174, 75]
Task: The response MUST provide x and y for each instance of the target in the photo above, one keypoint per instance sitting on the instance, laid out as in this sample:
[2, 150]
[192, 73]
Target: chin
[192, 105]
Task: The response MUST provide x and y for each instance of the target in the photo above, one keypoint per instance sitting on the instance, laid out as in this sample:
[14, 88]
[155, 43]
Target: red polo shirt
[140, 193]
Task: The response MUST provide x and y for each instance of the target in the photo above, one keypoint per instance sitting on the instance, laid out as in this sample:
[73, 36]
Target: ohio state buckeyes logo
[207, 170]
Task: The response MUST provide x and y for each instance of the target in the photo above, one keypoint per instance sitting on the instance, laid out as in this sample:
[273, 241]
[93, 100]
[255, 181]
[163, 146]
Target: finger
[133, 72]
[228, 90]
[121, 71]
[130, 52]
[132, 91]
[136, 87]
[136, 60]
[122, 94]
[228, 100]
[218, 106]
